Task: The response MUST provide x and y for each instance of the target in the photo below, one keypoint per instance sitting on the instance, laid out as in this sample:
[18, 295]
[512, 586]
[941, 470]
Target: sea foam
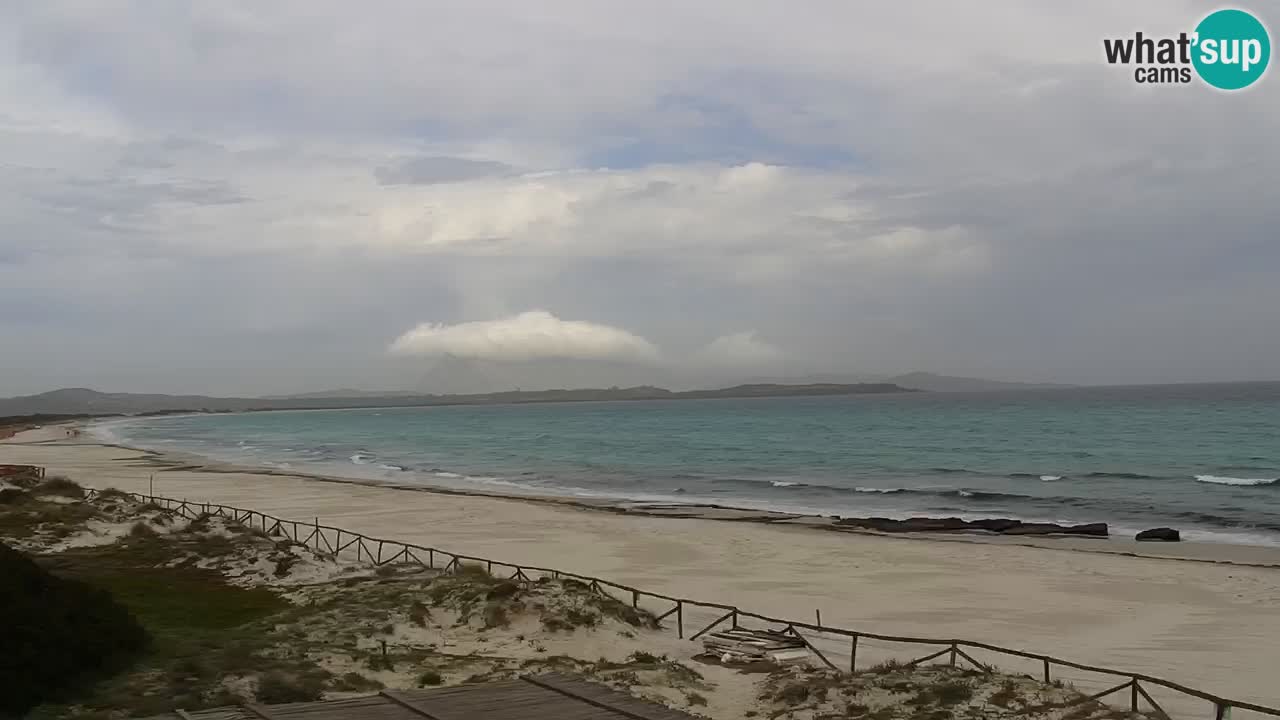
[1220, 480]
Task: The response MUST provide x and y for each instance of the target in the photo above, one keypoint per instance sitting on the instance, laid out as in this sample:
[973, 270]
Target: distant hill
[341, 393]
[928, 382]
[82, 401]
[946, 383]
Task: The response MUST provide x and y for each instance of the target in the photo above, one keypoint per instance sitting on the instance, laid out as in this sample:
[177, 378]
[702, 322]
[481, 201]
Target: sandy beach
[1202, 615]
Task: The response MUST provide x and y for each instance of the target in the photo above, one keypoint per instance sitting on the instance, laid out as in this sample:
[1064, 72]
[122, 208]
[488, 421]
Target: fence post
[853, 653]
[1133, 696]
[1046, 671]
[635, 598]
[680, 618]
[953, 654]
[734, 618]
[431, 558]
[1222, 711]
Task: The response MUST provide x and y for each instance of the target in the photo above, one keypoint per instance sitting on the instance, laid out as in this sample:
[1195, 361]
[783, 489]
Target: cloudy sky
[245, 197]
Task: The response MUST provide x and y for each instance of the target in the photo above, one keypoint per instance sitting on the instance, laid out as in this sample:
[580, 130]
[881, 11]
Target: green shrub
[13, 496]
[59, 485]
[68, 632]
[418, 614]
[793, 694]
[114, 494]
[277, 687]
[355, 682]
[142, 530]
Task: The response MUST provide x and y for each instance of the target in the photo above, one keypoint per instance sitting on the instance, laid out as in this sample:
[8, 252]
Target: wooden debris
[740, 645]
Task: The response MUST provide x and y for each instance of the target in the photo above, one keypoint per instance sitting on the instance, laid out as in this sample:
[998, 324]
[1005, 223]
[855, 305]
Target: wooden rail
[380, 552]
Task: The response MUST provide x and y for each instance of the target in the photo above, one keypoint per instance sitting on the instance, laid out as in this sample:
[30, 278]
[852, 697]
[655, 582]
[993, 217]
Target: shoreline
[1219, 553]
[1199, 521]
[1202, 617]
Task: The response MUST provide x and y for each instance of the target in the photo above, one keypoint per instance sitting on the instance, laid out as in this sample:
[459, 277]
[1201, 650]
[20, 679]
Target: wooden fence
[690, 616]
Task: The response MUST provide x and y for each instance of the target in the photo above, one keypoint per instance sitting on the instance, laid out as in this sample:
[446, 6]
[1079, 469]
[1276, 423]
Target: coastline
[1199, 613]
[1222, 553]
[697, 458]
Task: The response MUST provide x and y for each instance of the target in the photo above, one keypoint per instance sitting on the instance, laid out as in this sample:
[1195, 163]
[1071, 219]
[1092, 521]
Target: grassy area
[562, 605]
[203, 630]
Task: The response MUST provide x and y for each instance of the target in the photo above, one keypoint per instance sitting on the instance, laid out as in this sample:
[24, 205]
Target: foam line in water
[1220, 480]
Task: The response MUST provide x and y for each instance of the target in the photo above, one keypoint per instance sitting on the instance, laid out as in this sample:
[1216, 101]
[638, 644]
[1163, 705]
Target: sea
[1201, 458]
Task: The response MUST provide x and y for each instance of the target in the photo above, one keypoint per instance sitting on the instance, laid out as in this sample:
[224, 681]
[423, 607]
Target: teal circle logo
[1232, 49]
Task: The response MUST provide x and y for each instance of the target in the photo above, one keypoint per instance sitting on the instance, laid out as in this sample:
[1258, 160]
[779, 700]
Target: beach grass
[202, 628]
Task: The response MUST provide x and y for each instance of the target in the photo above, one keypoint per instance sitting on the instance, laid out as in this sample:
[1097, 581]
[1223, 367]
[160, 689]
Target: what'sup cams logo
[1228, 50]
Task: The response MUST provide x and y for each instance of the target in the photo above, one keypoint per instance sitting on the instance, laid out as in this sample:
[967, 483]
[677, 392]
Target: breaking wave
[1245, 482]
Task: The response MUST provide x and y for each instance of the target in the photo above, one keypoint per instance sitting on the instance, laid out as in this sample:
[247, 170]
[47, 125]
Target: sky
[246, 198]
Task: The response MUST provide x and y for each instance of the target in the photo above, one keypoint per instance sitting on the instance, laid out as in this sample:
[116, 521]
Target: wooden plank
[703, 631]
[1152, 702]
[405, 703]
[604, 698]
[927, 658]
[258, 711]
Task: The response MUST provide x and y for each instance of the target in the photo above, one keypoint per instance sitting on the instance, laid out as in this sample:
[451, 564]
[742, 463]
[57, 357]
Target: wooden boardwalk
[540, 697]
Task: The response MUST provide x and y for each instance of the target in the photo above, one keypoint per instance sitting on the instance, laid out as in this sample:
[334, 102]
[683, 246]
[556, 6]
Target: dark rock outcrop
[1159, 534]
[1001, 526]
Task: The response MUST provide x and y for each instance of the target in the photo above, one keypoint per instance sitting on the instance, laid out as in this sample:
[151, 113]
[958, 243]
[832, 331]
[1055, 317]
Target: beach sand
[1206, 616]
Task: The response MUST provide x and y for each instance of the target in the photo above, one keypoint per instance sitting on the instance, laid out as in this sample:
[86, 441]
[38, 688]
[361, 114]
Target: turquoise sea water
[1205, 459]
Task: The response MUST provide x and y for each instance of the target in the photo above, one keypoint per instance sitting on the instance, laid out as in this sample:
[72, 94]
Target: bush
[142, 530]
[59, 485]
[951, 692]
[430, 677]
[793, 694]
[68, 632]
[277, 687]
[418, 614]
[355, 682]
[13, 496]
[114, 494]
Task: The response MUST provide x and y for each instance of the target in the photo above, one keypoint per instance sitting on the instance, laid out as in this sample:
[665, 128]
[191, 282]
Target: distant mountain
[928, 382]
[81, 401]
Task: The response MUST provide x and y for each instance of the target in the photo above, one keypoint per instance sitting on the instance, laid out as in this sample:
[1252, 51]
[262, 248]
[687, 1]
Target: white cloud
[739, 351]
[533, 335]
[989, 195]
